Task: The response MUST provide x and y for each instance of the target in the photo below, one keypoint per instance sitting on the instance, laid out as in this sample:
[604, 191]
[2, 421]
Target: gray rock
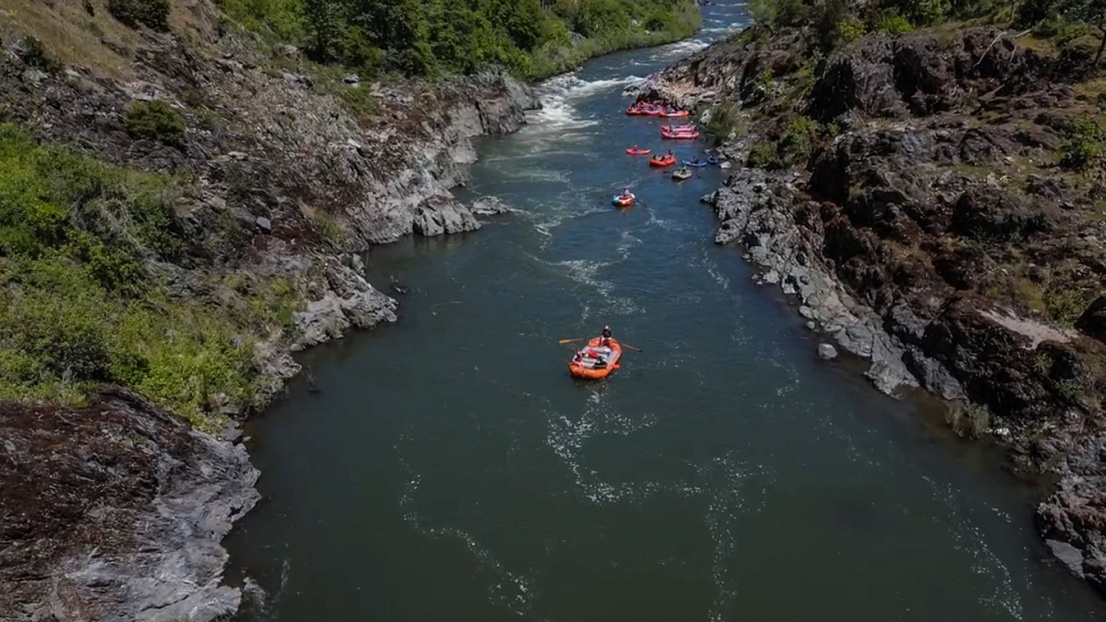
[827, 352]
[264, 224]
[1068, 555]
[489, 206]
[443, 214]
[348, 300]
[133, 526]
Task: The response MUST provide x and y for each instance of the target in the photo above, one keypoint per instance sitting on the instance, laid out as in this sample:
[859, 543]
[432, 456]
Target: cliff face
[115, 511]
[922, 198]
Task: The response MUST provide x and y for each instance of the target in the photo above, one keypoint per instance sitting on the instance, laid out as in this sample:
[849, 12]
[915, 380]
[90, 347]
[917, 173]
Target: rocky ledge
[115, 511]
[921, 196]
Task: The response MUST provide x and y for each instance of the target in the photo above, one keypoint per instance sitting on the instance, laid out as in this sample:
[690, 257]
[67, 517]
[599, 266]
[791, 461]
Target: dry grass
[96, 40]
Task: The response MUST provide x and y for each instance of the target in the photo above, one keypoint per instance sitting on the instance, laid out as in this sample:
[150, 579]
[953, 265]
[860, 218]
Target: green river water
[450, 469]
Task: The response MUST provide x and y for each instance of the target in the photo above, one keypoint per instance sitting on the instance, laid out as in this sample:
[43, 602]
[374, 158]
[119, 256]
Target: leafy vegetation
[1085, 145]
[532, 38]
[795, 144]
[151, 13]
[78, 305]
[34, 54]
[154, 120]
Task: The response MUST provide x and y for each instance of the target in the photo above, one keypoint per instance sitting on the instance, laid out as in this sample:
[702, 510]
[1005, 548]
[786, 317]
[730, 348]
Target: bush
[797, 141]
[1085, 145]
[155, 120]
[850, 29]
[763, 155]
[895, 24]
[151, 13]
[73, 236]
[725, 121]
[34, 54]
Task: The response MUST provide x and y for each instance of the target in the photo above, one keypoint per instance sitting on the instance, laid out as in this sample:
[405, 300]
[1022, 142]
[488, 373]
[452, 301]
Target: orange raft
[595, 361]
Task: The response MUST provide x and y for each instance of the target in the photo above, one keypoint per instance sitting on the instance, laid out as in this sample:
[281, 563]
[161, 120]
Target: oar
[626, 345]
[564, 341]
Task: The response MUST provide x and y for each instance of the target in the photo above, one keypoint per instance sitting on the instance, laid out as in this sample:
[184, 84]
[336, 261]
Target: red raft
[595, 361]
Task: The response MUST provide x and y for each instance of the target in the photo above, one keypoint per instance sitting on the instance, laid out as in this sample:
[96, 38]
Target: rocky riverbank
[934, 202]
[115, 511]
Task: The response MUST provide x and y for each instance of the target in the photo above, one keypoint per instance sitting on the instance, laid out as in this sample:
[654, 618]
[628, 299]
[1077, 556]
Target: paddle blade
[564, 341]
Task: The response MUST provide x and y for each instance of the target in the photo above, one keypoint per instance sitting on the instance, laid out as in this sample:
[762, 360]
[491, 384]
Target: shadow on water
[449, 467]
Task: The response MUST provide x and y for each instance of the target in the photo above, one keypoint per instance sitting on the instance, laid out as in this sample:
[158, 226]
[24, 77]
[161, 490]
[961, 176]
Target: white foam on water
[712, 269]
[686, 47]
[557, 95]
[534, 173]
[733, 498]
[586, 272]
[626, 243]
[567, 437]
[508, 589]
[970, 539]
[550, 214]
[666, 224]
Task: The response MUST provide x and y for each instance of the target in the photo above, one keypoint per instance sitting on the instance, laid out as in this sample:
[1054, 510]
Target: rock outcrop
[115, 511]
[929, 229]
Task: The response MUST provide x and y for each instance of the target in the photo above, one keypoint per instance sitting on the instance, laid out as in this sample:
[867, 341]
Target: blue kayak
[696, 164]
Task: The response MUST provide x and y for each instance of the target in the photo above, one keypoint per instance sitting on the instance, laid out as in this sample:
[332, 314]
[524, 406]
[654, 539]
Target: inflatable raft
[665, 161]
[685, 135]
[636, 151]
[699, 164]
[595, 361]
[620, 202]
[674, 114]
[681, 174]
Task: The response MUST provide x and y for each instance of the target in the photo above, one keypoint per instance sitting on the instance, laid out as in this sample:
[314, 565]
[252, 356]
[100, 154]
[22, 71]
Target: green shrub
[155, 120]
[895, 24]
[763, 155]
[797, 140]
[1085, 144]
[725, 120]
[34, 54]
[850, 29]
[73, 236]
[151, 13]
[279, 19]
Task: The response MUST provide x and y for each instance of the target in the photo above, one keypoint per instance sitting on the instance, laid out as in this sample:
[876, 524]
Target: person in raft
[625, 194]
[670, 154]
[605, 339]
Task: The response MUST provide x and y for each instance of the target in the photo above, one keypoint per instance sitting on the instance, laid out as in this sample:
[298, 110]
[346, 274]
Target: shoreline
[387, 189]
[795, 225]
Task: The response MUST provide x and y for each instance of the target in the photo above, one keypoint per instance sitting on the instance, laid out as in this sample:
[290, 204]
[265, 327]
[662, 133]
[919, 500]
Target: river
[450, 469]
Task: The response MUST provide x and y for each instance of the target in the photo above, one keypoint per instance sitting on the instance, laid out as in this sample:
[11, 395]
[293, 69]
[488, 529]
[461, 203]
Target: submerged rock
[827, 352]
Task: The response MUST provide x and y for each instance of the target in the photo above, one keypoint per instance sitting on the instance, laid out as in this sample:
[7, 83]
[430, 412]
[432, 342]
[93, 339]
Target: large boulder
[1093, 320]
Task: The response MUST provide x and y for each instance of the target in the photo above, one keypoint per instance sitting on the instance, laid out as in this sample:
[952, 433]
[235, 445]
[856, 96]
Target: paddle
[626, 345]
[564, 341]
